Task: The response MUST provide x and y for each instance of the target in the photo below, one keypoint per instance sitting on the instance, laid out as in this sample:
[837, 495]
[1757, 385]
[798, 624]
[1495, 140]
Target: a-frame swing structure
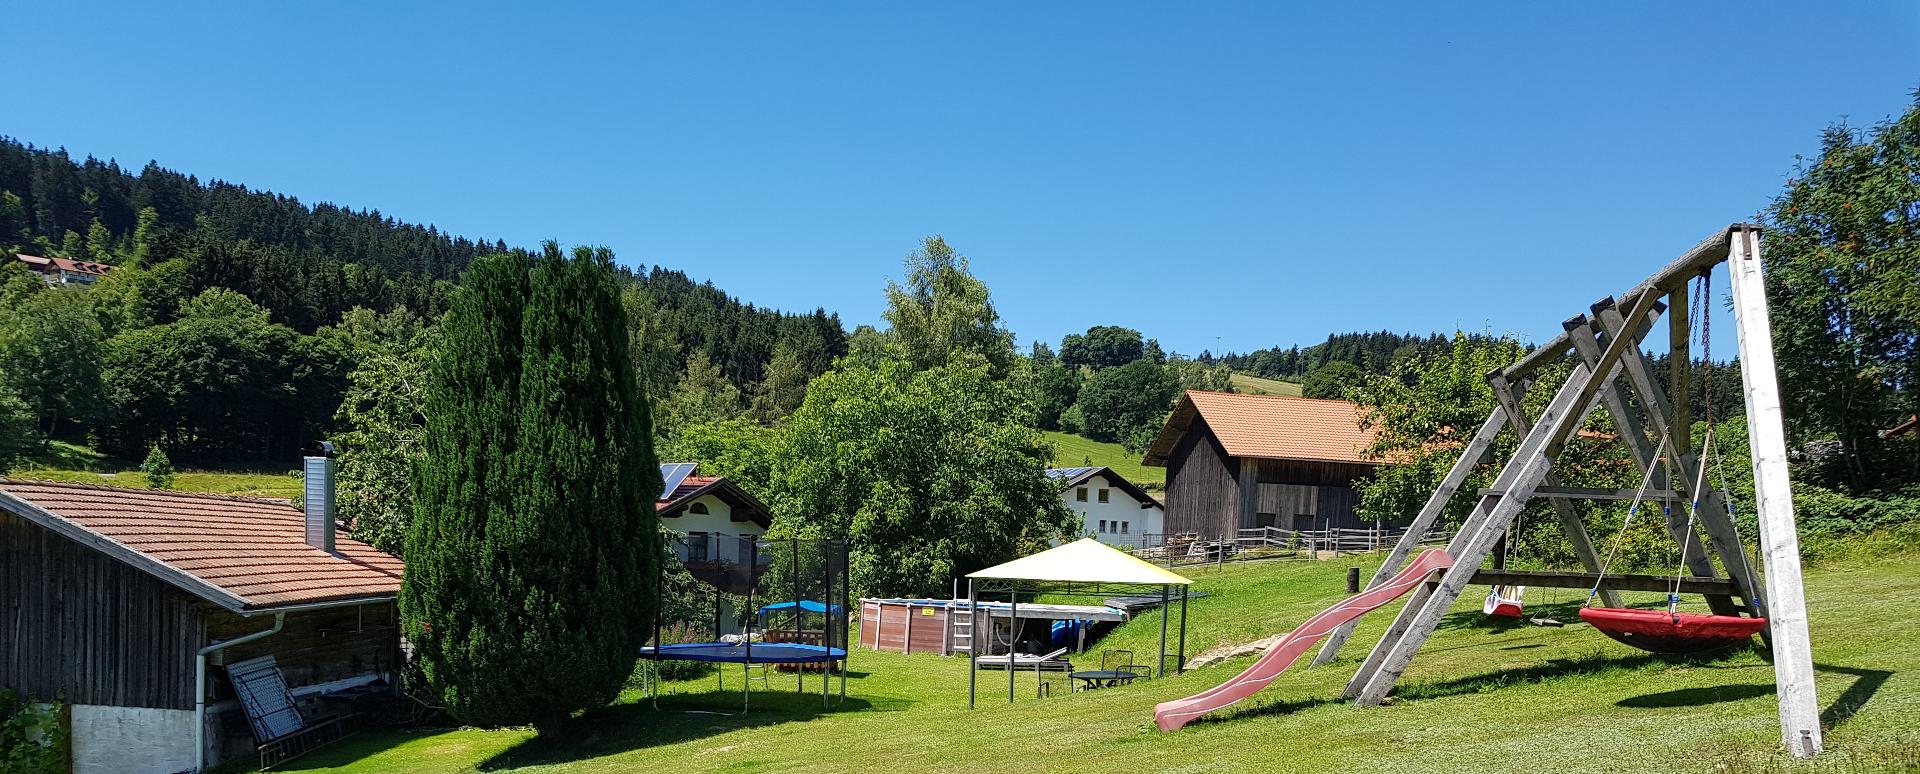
[1607, 345]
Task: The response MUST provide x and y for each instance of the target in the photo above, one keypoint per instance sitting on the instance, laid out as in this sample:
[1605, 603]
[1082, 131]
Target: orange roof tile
[244, 553]
[1270, 427]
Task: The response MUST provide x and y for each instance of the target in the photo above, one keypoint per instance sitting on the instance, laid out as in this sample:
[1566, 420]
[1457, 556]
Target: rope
[1645, 482]
[1693, 511]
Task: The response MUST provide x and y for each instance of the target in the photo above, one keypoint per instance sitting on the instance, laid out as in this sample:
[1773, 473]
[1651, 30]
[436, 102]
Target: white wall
[1120, 508]
[717, 519]
[131, 740]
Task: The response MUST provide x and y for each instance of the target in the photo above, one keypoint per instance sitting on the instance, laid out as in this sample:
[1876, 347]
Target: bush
[158, 468]
[31, 739]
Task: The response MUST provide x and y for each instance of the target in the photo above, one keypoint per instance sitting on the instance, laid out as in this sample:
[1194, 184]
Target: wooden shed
[1242, 461]
[113, 595]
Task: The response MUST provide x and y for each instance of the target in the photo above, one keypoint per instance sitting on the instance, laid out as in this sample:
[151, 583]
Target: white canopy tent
[1083, 567]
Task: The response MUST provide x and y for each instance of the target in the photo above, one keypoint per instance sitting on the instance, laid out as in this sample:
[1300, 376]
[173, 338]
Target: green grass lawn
[1263, 386]
[63, 461]
[1072, 451]
[1480, 698]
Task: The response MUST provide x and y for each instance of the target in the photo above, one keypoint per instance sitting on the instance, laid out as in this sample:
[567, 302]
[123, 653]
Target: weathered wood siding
[78, 624]
[888, 626]
[314, 647]
[1203, 491]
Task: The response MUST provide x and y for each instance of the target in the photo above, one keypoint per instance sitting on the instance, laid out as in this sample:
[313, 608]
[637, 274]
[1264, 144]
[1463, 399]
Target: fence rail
[1188, 548]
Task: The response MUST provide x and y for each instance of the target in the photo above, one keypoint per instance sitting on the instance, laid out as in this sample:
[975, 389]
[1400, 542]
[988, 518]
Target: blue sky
[1243, 174]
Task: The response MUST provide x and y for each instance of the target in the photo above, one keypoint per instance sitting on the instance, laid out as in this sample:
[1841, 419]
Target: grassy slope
[1478, 699]
[67, 462]
[1071, 451]
[1264, 386]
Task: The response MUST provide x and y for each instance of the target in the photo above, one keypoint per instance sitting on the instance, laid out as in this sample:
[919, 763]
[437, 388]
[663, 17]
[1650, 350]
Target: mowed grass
[63, 461]
[1072, 451]
[1261, 385]
[1479, 698]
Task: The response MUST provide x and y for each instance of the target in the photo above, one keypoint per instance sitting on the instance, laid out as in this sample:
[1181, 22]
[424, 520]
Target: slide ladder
[1171, 715]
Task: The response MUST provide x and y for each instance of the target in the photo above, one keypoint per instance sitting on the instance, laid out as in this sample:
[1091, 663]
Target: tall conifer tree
[530, 561]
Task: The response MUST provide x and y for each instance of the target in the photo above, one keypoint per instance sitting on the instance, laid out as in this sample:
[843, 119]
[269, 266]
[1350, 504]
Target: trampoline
[742, 653]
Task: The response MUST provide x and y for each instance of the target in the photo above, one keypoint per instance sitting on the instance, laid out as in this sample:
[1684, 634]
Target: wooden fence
[1188, 548]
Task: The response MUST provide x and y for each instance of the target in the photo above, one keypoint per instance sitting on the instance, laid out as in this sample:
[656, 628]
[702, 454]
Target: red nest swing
[1659, 631]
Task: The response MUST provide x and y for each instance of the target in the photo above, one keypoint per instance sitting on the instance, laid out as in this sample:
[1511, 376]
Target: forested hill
[174, 238]
[1372, 351]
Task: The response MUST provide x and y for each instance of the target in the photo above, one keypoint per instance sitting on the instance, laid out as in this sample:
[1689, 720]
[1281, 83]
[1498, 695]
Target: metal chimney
[318, 499]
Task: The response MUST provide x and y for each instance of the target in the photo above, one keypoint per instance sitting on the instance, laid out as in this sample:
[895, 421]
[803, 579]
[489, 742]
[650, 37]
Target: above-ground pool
[739, 653]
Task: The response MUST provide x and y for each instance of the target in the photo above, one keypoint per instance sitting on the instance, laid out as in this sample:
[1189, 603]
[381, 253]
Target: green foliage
[531, 558]
[1102, 346]
[1375, 352]
[221, 382]
[1127, 404]
[1841, 261]
[739, 449]
[381, 417]
[1333, 380]
[931, 473]
[1200, 375]
[19, 433]
[1055, 387]
[943, 313]
[50, 356]
[31, 739]
[702, 395]
[158, 468]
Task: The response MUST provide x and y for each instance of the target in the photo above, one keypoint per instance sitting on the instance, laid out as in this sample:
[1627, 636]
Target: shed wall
[1203, 493]
[91, 628]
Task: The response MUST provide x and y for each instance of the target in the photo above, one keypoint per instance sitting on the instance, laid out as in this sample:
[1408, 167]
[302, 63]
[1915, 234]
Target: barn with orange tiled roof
[130, 604]
[1242, 461]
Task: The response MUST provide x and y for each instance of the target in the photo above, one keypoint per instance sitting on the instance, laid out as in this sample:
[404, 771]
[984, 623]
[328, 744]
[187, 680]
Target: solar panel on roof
[1067, 474]
[673, 473]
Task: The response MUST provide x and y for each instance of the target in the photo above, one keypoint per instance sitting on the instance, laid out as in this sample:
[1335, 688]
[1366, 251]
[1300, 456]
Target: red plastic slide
[1171, 715]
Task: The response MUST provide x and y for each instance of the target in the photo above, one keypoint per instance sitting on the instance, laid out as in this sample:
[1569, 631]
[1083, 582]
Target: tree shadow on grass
[680, 718]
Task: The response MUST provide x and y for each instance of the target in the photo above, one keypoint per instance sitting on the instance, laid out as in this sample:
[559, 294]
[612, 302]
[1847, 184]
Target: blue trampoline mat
[763, 653]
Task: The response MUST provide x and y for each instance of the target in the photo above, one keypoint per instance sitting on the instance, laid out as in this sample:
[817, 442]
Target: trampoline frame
[828, 654]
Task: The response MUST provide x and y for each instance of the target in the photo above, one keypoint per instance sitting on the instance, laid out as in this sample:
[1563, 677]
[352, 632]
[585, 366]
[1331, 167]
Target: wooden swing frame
[1607, 344]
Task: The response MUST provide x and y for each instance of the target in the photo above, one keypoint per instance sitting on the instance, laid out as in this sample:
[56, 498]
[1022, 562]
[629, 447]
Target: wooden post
[1429, 513]
[1570, 523]
[1779, 535]
[1512, 489]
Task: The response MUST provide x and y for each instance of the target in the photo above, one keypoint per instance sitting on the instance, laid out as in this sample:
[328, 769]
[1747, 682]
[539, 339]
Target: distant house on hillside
[1242, 461]
[708, 505]
[64, 271]
[113, 596]
[1112, 509]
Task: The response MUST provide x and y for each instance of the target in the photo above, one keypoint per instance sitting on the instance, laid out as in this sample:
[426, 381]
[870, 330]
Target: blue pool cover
[763, 653]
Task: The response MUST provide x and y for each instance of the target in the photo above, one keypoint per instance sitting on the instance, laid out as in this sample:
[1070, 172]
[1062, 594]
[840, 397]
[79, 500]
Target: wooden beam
[1779, 535]
[1583, 580]
[1709, 505]
[1429, 515]
[1590, 387]
[1708, 252]
[1571, 524]
[1599, 493]
[1420, 617]
[1680, 367]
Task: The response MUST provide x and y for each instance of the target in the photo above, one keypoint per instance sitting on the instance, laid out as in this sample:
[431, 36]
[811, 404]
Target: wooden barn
[128, 604]
[1243, 461]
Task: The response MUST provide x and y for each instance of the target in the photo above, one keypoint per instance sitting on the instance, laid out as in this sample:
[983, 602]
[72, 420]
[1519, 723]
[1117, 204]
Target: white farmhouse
[708, 505]
[1112, 509]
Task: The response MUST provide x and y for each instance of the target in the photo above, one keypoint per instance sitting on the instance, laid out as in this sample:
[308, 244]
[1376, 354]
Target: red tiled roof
[66, 264]
[688, 486]
[1270, 427]
[244, 553]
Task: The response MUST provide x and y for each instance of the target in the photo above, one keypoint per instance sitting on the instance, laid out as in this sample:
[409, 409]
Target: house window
[1103, 526]
[700, 508]
[1103, 495]
[1080, 494]
[1123, 527]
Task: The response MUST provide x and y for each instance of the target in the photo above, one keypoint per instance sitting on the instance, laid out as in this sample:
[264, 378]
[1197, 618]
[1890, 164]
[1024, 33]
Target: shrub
[31, 739]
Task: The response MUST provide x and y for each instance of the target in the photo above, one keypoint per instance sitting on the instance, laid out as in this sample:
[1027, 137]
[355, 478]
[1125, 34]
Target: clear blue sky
[1260, 175]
